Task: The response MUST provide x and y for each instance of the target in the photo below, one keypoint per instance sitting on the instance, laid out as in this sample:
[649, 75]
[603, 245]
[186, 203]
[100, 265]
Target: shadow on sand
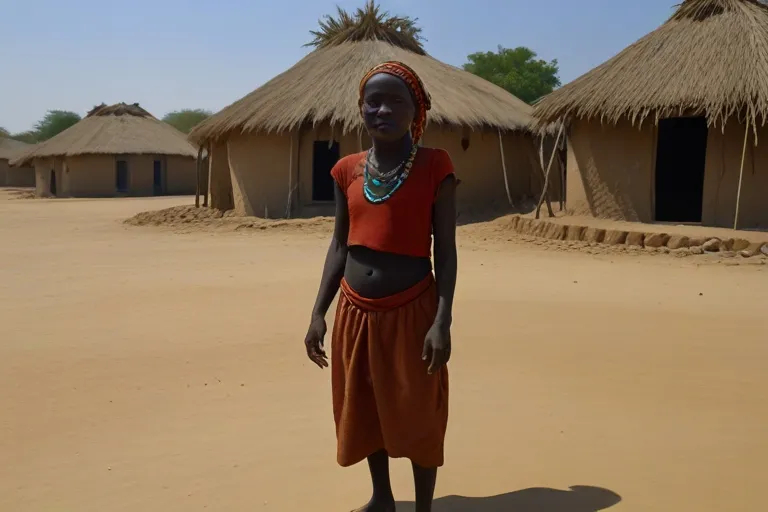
[577, 499]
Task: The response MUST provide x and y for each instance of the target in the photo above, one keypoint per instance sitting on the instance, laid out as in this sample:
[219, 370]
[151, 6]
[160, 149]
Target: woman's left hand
[437, 347]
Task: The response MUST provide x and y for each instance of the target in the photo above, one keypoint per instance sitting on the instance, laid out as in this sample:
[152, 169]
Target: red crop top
[403, 223]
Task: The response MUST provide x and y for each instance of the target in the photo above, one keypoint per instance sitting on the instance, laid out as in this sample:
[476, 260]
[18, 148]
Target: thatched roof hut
[13, 176]
[701, 79]
[323, 87]
[710, 58]
[115, 149]
[10, 149]
[272, 130]
[114, 130]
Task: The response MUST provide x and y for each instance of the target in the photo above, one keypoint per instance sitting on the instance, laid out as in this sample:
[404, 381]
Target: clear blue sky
[173, 54]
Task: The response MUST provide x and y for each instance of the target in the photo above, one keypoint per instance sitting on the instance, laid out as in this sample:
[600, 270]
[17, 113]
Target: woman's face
[388, 107]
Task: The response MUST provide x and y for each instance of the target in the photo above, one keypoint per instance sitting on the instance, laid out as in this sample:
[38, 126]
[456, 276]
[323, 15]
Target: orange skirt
[383, 398]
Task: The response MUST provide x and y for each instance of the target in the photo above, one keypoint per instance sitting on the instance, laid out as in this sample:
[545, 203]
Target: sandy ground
[152, 371]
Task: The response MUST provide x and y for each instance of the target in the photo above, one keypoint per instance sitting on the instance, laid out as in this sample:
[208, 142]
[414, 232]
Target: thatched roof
[710, 58]
[10, 149]
[121, 129]
[323, 86]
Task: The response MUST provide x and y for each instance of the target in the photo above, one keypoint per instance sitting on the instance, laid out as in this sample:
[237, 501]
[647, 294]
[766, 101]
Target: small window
[122, 176]
[324, 157]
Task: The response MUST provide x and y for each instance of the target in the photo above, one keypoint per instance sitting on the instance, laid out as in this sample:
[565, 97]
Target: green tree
[4, 132]
[516, 70]
[186, 119]
[54, 122]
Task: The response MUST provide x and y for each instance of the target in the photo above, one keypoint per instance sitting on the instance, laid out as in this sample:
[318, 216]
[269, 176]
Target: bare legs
[383, 500]
[424, 481]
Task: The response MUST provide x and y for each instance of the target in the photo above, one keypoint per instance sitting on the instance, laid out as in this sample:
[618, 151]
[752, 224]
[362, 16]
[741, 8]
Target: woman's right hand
[314, 342]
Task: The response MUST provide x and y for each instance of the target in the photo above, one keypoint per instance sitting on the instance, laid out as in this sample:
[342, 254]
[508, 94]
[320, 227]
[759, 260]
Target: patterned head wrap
[414, 84]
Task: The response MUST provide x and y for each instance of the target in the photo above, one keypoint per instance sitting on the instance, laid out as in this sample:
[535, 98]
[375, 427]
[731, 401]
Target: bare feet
[376, 505]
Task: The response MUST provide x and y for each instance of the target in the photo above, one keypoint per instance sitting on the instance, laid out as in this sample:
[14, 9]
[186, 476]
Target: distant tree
[186, 119]
[4, 133]
[53, 123]
[516, 70]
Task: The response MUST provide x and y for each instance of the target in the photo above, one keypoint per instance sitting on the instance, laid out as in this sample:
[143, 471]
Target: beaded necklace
[381, 188]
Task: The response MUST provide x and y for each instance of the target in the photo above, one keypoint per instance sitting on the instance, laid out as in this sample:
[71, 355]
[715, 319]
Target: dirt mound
[562, 237]
[179, 215]
[21, 193]
[313, 225]
[203, 219]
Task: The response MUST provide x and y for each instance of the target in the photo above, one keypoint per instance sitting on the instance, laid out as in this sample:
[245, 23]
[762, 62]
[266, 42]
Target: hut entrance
[53, 183]
[680, 160]
[324, 156]
[158, 178]
[121, 178]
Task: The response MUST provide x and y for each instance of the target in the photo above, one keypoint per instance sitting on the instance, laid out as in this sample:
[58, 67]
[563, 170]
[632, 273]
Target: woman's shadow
[577, 499]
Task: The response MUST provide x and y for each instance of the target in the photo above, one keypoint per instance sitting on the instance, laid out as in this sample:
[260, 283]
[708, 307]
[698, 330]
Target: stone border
[699, 245]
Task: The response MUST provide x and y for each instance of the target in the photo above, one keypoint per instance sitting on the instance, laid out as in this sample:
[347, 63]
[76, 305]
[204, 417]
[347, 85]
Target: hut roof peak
[368, 23]
[701, 10]
[118, 109]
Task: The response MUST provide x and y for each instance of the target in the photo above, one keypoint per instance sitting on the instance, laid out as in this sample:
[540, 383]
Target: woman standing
[391, 338]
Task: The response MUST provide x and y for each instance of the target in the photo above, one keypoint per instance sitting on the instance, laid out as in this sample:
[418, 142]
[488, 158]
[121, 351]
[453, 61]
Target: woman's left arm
[446, 260]
[437, 346]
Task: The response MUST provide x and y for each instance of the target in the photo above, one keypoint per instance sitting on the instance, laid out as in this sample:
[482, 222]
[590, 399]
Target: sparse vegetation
[186, 119]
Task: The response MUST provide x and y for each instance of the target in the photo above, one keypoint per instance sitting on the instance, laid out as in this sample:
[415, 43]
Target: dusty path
[144, 370]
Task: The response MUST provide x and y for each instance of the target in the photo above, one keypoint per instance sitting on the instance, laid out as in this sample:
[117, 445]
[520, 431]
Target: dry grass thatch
[323, 86]
[710, 58]
[121, 129]
[10, 149]
[368, 24]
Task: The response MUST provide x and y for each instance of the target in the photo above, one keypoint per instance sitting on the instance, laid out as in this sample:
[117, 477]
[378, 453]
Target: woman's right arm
[335, 259]
[333, 272]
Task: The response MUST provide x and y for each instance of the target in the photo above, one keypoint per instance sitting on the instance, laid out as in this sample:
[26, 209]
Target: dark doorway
[158, 178]
[121, 178]
[53, 183]
[324, 157]
[680, 159]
